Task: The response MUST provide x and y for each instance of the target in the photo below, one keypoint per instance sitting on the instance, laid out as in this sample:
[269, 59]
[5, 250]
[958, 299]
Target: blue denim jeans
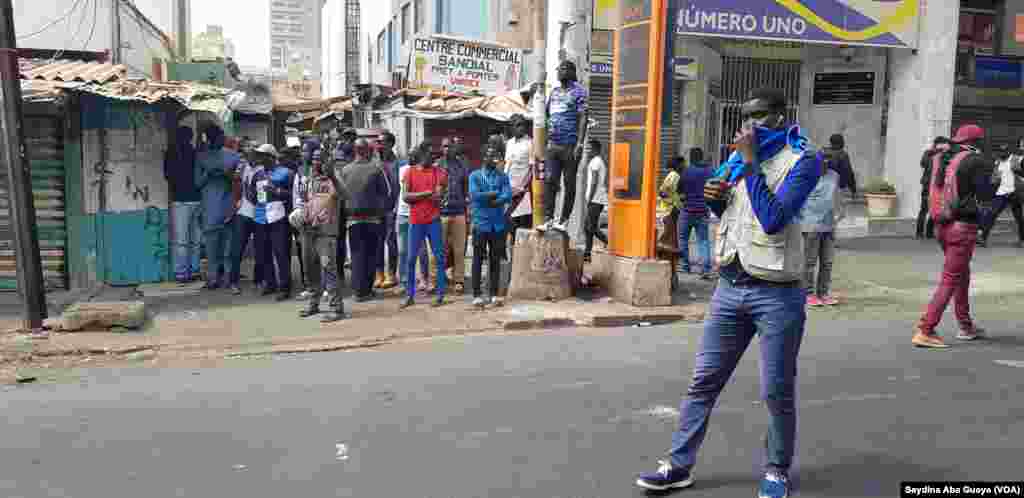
[699, 224]
[417, 234]
[217, 244]
[187, 237]
[736, 315]
[403, 249]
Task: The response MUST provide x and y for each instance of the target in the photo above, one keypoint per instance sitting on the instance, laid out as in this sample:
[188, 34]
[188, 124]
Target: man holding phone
[757, 194]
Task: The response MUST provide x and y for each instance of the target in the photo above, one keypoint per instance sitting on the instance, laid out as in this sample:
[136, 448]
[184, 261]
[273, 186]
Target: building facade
[144, 28]
[935, 65]
[295, 36]
[389, 47]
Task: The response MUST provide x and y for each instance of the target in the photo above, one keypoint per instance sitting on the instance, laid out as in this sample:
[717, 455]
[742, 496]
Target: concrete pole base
[633, 281]
[544, 268]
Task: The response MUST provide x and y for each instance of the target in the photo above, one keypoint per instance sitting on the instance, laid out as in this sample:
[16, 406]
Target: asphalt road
[570, 413]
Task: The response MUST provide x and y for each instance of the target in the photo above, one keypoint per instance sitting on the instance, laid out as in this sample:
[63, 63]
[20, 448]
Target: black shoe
[268, 291]
[586, 258]
[364, 298]
[283, 296]
[308, 311]
[407, 303]
[335, 315]
[211, 286]
[982, 242]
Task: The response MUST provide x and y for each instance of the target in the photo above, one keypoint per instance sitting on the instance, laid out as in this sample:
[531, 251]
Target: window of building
[381, 46]
[419, 15]
[406, 22]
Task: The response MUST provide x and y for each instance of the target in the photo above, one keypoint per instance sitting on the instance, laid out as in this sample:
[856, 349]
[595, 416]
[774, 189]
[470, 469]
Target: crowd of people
[354, 203]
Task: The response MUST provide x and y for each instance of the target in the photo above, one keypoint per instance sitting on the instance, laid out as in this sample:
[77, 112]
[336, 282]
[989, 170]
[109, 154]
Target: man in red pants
[955, 209]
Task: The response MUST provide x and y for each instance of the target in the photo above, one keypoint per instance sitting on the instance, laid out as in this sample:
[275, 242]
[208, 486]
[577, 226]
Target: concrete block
[103, 315]
[637, 282]
[541, 266]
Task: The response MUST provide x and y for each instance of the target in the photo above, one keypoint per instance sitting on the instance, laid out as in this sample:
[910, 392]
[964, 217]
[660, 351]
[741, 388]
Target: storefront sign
[465, 66]
[601, 68]
[997, 72]
[606, 14]
[844, 88]
[887, 23]
[1018, 32]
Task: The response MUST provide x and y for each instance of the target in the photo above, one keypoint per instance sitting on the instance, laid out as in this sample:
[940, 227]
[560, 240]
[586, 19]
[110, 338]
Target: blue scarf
[770, 142]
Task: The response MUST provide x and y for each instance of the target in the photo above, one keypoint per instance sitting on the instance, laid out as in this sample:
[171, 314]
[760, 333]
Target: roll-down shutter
[45, 146]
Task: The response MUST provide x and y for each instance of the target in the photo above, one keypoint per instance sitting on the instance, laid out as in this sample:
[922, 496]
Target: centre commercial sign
[464, 66]
[882, 23]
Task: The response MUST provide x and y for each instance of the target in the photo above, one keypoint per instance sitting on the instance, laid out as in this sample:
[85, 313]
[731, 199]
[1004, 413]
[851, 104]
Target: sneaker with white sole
[971, 334]
[479, 302]
[774, 485]
[665, 478]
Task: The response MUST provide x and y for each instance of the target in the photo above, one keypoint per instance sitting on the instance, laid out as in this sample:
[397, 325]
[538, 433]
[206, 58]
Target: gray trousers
[820, 250]
[322, 262]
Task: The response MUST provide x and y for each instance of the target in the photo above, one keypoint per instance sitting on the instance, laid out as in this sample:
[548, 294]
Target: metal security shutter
[741, 75]
[601, 109]
[45, 145]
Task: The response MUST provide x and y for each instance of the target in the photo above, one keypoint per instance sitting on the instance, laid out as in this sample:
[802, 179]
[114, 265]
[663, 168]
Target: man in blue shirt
[214, 167]
[490, 192]
[567, 111]
[694, 215]
[758, 194]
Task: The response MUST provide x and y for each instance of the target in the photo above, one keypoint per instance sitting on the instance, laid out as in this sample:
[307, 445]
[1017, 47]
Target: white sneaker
[543, 227]
[304, 295]
[479, 302]
[561, 227]
[498, 301]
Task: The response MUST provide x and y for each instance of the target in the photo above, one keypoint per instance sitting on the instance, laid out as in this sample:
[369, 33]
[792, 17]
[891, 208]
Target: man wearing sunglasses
[757, 194]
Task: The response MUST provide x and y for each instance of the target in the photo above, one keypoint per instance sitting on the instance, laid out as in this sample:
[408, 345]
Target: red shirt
[424, 211]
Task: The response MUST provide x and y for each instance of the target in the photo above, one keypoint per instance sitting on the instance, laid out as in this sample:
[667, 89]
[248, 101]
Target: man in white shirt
[597, 198]
[1007, 195]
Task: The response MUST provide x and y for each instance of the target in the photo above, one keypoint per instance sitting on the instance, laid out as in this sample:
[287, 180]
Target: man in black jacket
[366, 206]
[958, 235]
[925, 225]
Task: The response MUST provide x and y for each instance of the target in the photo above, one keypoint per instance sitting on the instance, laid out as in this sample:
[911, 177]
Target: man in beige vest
[758, 194]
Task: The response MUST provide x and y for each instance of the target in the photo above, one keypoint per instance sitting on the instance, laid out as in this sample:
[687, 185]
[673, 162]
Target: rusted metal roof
[71, 71]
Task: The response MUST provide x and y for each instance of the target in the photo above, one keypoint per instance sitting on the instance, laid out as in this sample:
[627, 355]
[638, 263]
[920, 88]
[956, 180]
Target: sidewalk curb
[605, 321]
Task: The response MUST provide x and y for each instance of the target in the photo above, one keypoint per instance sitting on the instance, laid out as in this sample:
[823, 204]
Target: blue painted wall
[122, 248]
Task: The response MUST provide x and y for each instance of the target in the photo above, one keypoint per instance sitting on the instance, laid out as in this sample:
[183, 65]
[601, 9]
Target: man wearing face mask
[757, 194]
[567, 111]
[956, 195]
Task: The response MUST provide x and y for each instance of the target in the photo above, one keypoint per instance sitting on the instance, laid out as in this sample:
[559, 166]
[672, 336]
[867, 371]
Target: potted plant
[881, 198]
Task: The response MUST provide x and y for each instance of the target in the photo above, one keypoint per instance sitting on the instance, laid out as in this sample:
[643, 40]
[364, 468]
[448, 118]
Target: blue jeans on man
[738, 312]
[187, 239]
[403, 250]
[417, 234]
[698, 223]
[218, 241]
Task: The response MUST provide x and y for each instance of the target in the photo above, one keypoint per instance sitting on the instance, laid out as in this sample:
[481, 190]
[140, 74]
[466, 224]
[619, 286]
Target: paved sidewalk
[873, 276]
[186, 319]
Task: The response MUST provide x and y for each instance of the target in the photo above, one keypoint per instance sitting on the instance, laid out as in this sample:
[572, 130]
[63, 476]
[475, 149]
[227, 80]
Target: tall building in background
[212, 44]
[295, 36]
[341, 61]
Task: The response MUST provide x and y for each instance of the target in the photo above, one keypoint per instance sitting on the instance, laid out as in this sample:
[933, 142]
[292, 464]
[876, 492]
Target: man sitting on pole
[758, 194]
